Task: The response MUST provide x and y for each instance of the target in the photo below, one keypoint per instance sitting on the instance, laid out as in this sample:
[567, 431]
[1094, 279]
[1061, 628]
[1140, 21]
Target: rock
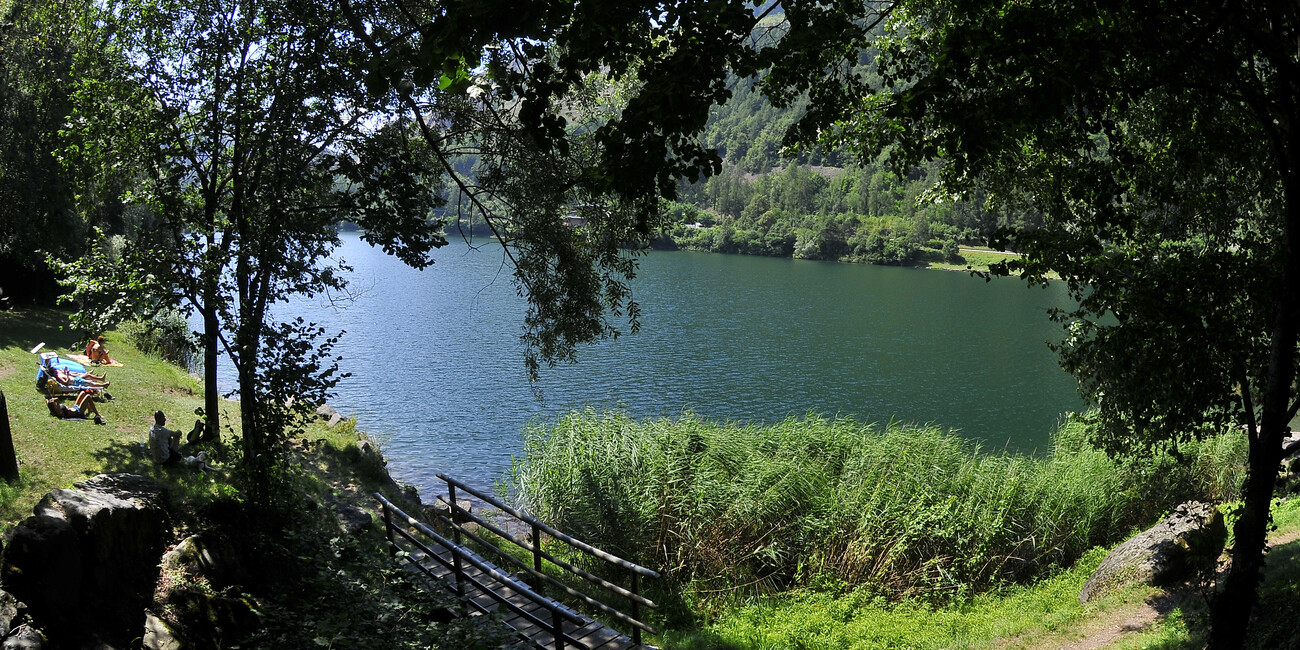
[335, 419]
[210, 556]
[365, 450]
[412, 496]
[191, 610]
[25, 638]
[441, 509]
[1190, 538]
[355, 520]
[10, 611]
[88, 560]
[205, 621]
[158, 635]
[41, 566]
[327, 412]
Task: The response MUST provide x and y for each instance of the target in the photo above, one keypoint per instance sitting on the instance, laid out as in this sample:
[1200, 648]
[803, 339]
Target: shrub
[167, 334]
[906, 509]
[951, 253]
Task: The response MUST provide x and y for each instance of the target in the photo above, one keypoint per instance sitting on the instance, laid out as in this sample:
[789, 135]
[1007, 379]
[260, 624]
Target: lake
[728, 337]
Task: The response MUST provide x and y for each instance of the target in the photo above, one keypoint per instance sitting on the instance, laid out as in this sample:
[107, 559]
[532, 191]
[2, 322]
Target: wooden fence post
[8, 459]
[557, 622]
[636, 607]
[455, 537]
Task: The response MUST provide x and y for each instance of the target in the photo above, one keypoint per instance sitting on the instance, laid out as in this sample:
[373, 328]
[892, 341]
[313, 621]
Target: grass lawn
[54, 453]
[1046, 614]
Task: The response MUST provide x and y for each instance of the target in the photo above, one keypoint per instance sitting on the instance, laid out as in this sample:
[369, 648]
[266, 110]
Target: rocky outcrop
[355, 520]
[199, 620]
[25, 638]
[210, 557]
[85, 563]
[1189, 539]
[330, 414]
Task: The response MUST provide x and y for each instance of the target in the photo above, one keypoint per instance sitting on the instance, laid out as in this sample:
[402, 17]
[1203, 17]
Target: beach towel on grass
[86, 360]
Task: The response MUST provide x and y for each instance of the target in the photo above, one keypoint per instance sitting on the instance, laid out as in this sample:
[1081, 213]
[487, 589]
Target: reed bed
[911, 510]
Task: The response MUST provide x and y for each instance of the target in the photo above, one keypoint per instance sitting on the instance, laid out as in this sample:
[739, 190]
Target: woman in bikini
[73, 378]
[96, 351]
[84, 406]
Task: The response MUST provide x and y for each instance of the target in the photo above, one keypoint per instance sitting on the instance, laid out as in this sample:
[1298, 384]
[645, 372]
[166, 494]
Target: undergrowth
[904, 511]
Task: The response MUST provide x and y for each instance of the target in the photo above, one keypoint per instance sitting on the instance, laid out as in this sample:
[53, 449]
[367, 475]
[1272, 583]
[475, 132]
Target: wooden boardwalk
[586, 633]
[487, 589]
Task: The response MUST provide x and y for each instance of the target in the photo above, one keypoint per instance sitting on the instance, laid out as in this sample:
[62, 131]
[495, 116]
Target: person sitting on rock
[83, 407]
[165, 444]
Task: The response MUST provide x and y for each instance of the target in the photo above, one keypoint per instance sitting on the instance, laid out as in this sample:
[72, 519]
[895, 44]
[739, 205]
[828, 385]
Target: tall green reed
[907, 509]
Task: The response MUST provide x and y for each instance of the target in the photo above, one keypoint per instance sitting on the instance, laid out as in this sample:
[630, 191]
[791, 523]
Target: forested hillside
[813, 203]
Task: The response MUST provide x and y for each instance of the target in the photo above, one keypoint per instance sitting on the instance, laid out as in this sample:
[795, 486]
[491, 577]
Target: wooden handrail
[594, 579]
[458, 516]
[457, 551]
[571, 541]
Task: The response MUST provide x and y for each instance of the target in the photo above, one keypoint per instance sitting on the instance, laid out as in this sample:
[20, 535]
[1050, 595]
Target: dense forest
[815, 202]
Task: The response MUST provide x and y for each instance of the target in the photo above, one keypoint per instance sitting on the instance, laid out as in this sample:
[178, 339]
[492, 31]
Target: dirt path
[1107, 628]
[1111, 627]
[985, 250]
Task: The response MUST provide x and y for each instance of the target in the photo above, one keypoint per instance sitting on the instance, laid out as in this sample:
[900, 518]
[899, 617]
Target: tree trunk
[211, 394]
[8, 459]
[1232, 606]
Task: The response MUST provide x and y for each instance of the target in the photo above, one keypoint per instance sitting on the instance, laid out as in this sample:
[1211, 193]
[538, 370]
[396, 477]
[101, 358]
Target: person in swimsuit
[96, 351]
[74, 378]
[84, 406]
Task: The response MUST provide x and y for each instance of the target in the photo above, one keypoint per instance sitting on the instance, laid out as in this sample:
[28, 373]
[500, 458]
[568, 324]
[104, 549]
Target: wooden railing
[456, 521]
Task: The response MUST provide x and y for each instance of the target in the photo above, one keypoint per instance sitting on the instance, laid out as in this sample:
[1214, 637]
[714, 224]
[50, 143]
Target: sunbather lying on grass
[84, 406]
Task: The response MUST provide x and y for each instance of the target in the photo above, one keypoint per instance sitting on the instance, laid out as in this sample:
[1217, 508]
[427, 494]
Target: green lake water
[727, 337]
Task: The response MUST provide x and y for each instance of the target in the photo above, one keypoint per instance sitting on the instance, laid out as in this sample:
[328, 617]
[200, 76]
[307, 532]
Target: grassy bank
[1043, 614]
[53, 453]
[902, 511]
[744, 521]
[312, 584]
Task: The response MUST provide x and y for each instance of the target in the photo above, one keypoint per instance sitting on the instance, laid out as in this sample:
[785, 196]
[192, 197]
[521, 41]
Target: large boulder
[42, 567]
[209, 556]
[1189, 539]
[85, 564]
[192, 609]
[25, 638]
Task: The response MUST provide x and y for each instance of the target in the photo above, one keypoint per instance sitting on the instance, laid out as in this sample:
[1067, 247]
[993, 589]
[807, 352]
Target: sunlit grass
[1039, 615]
[55, 453]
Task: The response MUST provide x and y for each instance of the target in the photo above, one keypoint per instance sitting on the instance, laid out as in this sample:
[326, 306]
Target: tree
[8, 459]
[252, 139]
[39, 42]
[1161, 142]
[591, 107]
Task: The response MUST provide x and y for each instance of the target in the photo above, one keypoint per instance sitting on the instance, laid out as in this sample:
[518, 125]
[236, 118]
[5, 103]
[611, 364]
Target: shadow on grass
[1276, 620]
[25, 328]
[187, 488]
